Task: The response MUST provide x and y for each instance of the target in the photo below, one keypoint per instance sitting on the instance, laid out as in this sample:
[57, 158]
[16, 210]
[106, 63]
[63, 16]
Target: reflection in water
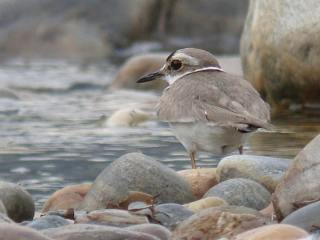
[52, 136]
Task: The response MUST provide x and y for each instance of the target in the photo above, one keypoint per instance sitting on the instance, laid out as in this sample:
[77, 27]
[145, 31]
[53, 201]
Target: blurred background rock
[97, 29]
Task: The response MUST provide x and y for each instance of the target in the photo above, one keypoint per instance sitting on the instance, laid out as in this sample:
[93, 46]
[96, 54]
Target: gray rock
[49, 221]
[280, 37]
[95, 232]
[136, 172]
[241, 192]
[18, 202]
[265, 170]
[218, 223]
[301, 182]
[153, 229]
[307, 217]
[17, 232]
[171, 214]
[2, 208]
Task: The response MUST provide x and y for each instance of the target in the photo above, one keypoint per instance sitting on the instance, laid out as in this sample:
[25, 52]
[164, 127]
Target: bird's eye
[175, 64]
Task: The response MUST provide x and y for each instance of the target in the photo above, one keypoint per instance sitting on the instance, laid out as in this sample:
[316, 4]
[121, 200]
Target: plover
[207, 108]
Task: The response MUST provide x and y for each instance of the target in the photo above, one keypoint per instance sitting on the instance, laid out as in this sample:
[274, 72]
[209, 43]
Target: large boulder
[15, 232]
[18, 202]
[280, 48]
[301, 183]
[136, 172]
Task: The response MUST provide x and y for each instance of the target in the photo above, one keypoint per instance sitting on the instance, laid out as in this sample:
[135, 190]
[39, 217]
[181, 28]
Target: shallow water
[53, 132]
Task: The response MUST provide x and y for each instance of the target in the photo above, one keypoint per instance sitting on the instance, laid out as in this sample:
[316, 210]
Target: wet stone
[241, 192]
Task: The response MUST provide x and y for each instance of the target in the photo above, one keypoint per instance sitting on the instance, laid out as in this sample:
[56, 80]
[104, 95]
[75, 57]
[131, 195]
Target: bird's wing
[206, 96]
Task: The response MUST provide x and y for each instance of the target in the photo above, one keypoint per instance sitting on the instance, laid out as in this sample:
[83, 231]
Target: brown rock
[204, 203]
[16, 232]
[216, 223]
[200, 180]
[67, 197]
[274, 232]
[280, 50]
[138, 66]
[268, 211]
[301, 183]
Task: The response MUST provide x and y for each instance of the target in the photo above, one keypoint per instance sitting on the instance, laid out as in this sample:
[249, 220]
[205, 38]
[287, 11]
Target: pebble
[200, 180]
[153, 229]
[18, 202]
[49, 221]
[265, 170]
[241, 192]
[67, 197]
[204, 203]
[136, 172]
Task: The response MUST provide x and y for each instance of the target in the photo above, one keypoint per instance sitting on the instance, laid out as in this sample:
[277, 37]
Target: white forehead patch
[182, 56]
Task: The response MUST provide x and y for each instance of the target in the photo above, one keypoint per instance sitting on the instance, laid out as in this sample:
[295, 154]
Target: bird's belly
[214, 139]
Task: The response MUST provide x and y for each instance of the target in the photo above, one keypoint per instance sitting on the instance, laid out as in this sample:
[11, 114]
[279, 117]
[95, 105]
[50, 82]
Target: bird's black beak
[150, 77]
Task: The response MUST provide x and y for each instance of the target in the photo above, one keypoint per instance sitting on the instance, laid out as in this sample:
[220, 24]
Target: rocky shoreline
[137, 197]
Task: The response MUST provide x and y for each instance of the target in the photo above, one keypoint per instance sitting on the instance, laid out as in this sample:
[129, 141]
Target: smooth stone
[128, 117]
[18, 202]
[153, 229]
[2, 208]
[136, 172]
[49, 221]
[306, 217]
[111, 217]
[204, 203]
[16, 232]
[218, 223]
[200, 180]
[280, 50]
[301, 182]
[273, 232]
[268, 211]
[95, 232]
[171, 214]
[265, 170]
[67, 197]
[138, 66]
[241, 192]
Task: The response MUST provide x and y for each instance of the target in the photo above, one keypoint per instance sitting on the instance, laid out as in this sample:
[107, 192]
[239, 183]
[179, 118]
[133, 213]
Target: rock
[274, 232]
[111, 217]
[307, 217]
[2, 208]
[301, 182]
[204, 203]
[95, 232]
[281, 71]
[200, 180]
[241, 192]
[265, 170]
[136, 172]
[50, 221]
[171, 214]
[67, 197]
[153, 229]
[16, 232]
[216, 223]
[6, 93]
[268, 211]
[128, 117]
[18, 202]
[4, 219]
[138, 66]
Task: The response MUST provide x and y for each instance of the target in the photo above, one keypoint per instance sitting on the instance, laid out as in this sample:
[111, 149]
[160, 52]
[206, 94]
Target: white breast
[214, 139]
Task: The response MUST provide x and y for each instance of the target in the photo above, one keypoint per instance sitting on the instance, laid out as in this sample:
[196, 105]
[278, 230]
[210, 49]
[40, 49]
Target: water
[53, 134]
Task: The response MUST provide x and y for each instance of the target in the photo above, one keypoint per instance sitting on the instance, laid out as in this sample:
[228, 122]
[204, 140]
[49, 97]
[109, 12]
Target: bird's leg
[240, 149]
[193, 160]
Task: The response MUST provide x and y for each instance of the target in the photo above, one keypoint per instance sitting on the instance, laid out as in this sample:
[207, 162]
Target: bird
[208, 109]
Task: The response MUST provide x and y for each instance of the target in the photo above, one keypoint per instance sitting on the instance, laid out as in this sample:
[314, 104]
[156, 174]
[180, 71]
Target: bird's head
[183, 62]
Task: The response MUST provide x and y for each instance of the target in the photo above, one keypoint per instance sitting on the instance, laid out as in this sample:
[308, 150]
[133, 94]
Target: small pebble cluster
[137, 197]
